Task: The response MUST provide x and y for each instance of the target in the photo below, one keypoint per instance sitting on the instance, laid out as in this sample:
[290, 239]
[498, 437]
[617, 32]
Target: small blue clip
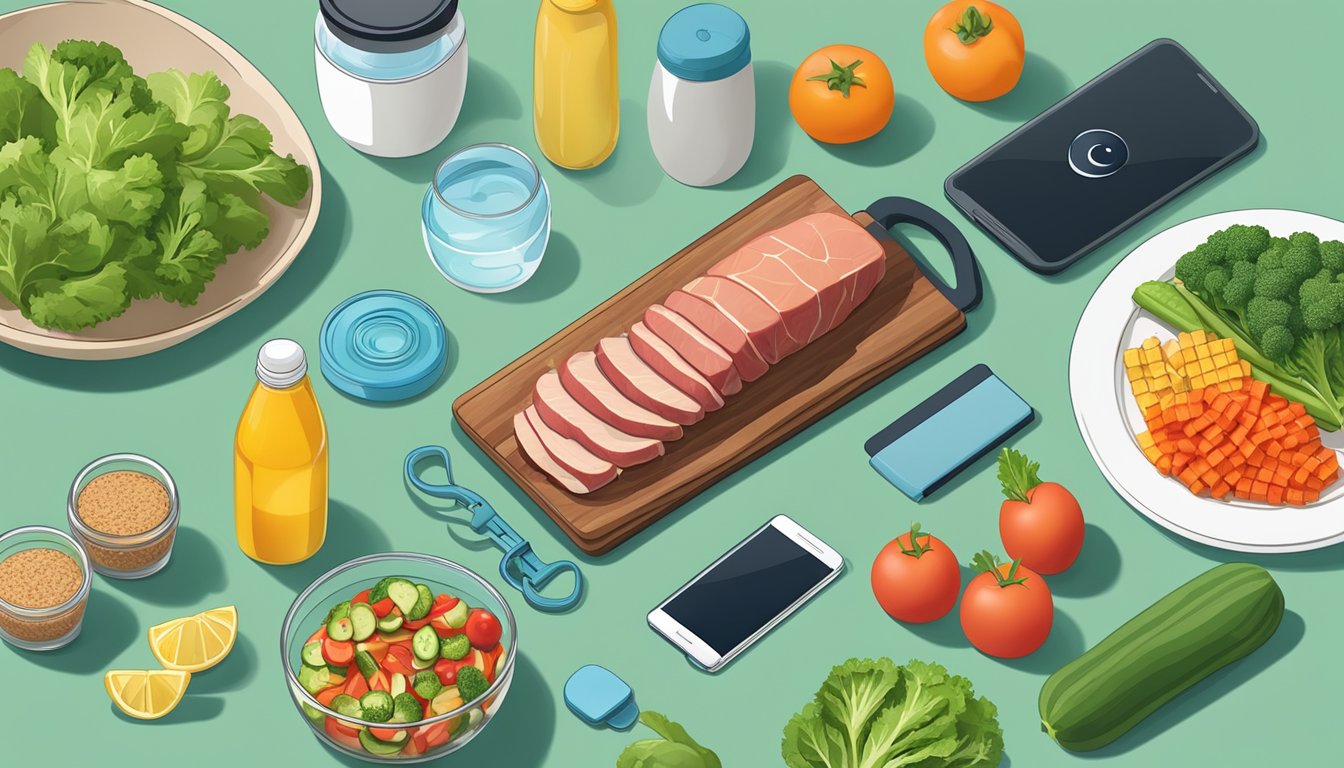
[535, 574]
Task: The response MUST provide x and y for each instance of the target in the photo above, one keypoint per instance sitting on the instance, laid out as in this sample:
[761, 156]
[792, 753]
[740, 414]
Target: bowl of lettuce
[874, 714]
[152, 181]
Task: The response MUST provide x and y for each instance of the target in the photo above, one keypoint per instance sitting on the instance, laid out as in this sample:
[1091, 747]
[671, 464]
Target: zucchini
[423, 603]
[390, 623]
[1210, 622]
[425, 644]
[404, 595]
[362, 622]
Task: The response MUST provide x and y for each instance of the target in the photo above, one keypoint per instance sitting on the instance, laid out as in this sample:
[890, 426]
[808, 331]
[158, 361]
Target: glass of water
[487, 218]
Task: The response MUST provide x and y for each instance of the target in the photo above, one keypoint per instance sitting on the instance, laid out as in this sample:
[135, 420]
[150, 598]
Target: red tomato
[362, 597]
[446, 669]
[383, 607]
[1007, 610]
[1046, 531]
[483, 629]
[338, 652]
[442, 605]
[916, 581]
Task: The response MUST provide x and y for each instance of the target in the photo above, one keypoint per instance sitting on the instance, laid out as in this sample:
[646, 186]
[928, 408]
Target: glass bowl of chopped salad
[398, 657]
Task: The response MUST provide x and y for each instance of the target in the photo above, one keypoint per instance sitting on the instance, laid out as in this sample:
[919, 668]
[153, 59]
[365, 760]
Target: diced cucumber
[314, 679]
[338, 611]
[405, 709]
[347, 705]
[312, 654]
[418, 663]
[362, 622]
[340, 629]
[390, 623]
[425, 644]
[376, 746]
[404, 595]
[454, 648]
[377, 706]
[312, 712]
[423, 603]
[466, 724]
[367, 666]
[456, 617]
[379, 590]
[427, 684]
[398, 684]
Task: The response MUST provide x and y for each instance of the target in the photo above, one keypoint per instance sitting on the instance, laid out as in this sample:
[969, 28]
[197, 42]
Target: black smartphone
[1110, 153]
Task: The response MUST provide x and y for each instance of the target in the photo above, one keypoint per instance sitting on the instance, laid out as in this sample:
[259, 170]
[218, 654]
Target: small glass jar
[487, 218]
[391, 76]
[42, 629]
[125, 555]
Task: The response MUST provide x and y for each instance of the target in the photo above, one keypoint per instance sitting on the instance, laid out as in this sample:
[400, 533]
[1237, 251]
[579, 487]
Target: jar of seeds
[124, 510]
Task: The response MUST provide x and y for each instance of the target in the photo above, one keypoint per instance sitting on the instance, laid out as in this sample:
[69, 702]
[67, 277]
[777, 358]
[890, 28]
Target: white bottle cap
[281, 364]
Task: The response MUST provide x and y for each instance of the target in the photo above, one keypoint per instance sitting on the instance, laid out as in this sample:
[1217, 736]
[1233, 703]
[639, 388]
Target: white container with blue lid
[391, 75]
[383, 346]
[702, 100]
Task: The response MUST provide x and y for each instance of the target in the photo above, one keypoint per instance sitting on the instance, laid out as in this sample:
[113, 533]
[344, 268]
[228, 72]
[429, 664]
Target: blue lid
[383, 346]
[599, 697]
[704, 42]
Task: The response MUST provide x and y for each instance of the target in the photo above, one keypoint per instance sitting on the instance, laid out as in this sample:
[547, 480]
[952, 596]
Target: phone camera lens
[1097, 153]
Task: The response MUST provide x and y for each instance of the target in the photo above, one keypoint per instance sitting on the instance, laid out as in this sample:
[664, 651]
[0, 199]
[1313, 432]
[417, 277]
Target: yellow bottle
[280, 461]
[576, 105]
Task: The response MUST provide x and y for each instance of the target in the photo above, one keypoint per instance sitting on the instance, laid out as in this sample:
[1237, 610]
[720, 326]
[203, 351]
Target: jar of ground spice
[44, 585]
[123, 509]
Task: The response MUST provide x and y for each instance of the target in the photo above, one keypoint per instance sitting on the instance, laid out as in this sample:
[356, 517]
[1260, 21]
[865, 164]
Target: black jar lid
[388, 27]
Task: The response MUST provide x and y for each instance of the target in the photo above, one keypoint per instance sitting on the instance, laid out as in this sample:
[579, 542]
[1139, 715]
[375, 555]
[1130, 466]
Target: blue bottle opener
[520, 566]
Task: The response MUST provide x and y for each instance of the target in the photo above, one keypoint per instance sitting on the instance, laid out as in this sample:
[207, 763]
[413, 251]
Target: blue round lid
[383, 346]
[704, 42]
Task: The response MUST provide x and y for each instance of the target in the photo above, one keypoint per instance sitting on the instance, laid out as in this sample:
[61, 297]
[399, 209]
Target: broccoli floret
[1238, 243]
[1240, 286]
[1302, 261]
[1272, 258]
[1304, 240]
[1193, 266]
[1215, 280]
[1332, 256]
[1267, 321]
[1322, 304]
[1275, 284]
[471, 683]
[1276, 342]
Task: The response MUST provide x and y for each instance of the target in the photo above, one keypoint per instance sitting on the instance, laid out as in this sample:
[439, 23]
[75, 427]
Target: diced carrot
[1295, 497]
[1275, 495]
[1259, 490]
[1220, 490]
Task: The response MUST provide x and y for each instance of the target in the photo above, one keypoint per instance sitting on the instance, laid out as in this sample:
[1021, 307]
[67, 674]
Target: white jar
[391, 76]
[702, 100]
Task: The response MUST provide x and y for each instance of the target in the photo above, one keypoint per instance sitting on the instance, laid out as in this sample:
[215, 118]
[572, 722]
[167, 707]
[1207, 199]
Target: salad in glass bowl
[398, 657]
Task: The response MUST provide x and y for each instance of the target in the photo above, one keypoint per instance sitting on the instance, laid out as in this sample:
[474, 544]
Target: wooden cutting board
[904, 318]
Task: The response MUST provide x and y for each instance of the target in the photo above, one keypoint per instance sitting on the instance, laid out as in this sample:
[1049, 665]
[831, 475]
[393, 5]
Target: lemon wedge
[195, 643]
[146, 694]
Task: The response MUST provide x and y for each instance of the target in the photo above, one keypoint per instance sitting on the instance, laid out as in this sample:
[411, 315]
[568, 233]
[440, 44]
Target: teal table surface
[611, 225]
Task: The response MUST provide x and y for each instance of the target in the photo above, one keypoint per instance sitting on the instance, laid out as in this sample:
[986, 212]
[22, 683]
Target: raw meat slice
[562, 413]
[664, 360]
[585, 382]
[643, 385]
[761, 323]
[531, 446]
[570, 454]
[703, 353]
[813, 271]
[706, 316]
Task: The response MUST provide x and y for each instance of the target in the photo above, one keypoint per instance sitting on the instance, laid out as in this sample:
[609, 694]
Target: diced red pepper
[362, 597]
[442, 605]
[399, 659]
[320, 634]
[356, 686]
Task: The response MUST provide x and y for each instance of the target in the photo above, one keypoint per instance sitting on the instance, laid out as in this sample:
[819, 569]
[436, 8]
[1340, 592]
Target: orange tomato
[974, 49]
[841, 94]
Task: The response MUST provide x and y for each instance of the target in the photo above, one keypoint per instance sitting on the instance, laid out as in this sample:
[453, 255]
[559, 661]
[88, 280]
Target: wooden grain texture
[904, 318]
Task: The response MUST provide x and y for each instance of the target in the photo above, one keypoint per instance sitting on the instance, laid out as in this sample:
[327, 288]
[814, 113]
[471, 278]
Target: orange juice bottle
[280, 461]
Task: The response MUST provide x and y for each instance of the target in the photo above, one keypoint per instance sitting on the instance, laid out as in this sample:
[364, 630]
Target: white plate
[1109, 418]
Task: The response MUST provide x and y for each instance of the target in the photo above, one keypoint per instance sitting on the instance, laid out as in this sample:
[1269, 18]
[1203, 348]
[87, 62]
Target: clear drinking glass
[487, 218]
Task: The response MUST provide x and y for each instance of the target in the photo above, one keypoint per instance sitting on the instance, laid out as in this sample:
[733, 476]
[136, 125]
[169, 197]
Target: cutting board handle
[890, 211]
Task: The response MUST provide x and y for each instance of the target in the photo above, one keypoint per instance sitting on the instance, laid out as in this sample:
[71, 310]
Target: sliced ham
[638, 381]
[586, 383]
[712, 321]
[565, 415]
[570, 454]
[663, 359]
[813, 271]
[703, 353]
[530, 444]
[763, 326]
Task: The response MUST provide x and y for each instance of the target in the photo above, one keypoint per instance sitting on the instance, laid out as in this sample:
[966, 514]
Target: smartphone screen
[1095, 163]
[747, 590]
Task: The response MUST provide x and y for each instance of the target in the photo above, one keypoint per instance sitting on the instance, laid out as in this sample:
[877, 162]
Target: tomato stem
[915, 550]
[989, 563]
[973, 25]
[841, 78]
